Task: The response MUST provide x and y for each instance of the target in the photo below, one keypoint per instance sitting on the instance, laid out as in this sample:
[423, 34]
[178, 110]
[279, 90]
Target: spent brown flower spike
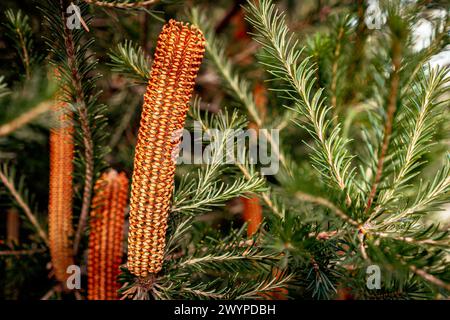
[176, 63]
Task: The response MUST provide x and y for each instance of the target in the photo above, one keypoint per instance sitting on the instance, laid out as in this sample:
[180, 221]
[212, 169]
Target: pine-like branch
[4, 90]
[267, 286]
[239, 87]
[394, 89]
[430, 278]
[341, 29]
[430, 197]
[130, 59]
[19, 30]
[207, 191]
[74, 64]
[328, 204]
[25, 118]
[281, 57]
[22, 252]
[7, 178]
[87, 136]
[419, 121]
[247, 170]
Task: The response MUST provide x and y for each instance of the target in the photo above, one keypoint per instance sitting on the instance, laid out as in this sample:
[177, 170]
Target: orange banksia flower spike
[176, 63]
[60, 198]
[252, 214]
[106, 235]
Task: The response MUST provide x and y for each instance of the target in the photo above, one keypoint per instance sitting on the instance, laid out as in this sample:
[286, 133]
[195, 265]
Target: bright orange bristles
[176, 63]
[60, 201]
[106, 235]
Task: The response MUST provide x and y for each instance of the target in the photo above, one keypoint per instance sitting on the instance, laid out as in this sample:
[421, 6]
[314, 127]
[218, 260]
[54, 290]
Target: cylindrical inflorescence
[252, 214]
[106, 235]
[176, 63]
[60, 198]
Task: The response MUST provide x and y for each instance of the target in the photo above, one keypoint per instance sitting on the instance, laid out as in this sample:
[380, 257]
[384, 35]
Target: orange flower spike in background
[252, 211]
[176, 63]
[60, 198]
[252, 214]
[106, 235]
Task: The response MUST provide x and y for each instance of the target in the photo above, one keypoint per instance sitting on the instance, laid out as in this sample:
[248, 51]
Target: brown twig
[246, 52]
[145, 44]
[26, 58]
[430, 242]
[391, 108]
[122, 5]
[229, 15]
[334, 69]
[48, 294]
[326, 203]
[21, 252]
[265, 195]
[21, 202]
[78, 295]
[24, 118]
[358, 51]
[85, 128]
[83, 23]
[430, 278]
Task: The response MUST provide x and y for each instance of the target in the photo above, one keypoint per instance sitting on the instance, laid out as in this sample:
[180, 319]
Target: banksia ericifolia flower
[60, 198]
[106, 235]
[177, 59]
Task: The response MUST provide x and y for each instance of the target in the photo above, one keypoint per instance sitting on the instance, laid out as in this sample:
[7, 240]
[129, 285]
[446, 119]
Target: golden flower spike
[106, 235]
[60, 199]
[176, 63]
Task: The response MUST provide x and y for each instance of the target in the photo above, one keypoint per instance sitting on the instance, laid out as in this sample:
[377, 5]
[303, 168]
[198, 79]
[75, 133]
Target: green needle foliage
[128, 58]
[281, 56]
[392, 233]
[20, 33]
